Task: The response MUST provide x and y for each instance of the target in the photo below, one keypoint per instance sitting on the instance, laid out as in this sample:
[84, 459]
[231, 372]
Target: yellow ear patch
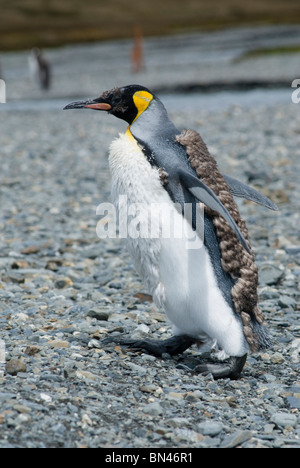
[141, 100]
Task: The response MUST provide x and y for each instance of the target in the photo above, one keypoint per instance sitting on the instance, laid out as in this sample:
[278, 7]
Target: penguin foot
[174, 345]
[230, 369]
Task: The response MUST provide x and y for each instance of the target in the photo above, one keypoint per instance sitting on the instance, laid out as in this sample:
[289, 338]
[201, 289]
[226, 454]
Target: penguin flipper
[205, 195]
[238, 189]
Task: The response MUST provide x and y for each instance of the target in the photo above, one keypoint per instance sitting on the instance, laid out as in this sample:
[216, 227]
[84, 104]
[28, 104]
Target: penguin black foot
[174, 345]
[230, 369]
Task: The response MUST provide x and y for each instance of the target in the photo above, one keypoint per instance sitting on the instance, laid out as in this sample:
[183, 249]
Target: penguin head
[125, 103]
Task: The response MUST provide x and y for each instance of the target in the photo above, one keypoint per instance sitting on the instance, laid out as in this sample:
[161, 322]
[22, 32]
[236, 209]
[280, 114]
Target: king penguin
[208, 293]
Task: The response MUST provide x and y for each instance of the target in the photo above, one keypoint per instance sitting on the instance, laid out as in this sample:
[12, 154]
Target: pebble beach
[63, 290]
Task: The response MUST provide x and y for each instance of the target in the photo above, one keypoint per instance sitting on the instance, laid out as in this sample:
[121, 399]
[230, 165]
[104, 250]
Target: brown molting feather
[110, 92]
[163, 175]
[116, 93]
[234, 258]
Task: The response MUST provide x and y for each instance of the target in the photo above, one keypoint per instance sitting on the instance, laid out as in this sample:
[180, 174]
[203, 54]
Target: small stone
[19, 264]
[286, 301]
[269, 274]
[191, 396]
[21, 317]
[148, 388]
[32, 249]
[45, 397]
[59, 344]
[175, 396]
[277, 358]
[31, 350]
[21, 408]
[142, 329]
[235, 439]
[98, 314]
[63, 283]
[293, 402]
[86, 420]
[280, 196]
[70, 371]
[210, 428]
[268, 428]
[143, 297]
[178, 422]
[4, 396]
[85, 375]
[22, 419]
[265, 357]
[269, 377]
[14, 366]
[284, 420]
[153, 409]
[293, 249]
[94, 344]
[53, 265]
[115, 285]
[140, 370]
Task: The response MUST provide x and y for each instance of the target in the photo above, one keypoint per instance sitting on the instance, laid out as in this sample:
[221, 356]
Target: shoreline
[206, 62]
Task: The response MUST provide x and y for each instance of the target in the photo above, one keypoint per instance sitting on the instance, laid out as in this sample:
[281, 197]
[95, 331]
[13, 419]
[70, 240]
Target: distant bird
[137, 53]
[39, 68]
[209, 293]
[2, 88]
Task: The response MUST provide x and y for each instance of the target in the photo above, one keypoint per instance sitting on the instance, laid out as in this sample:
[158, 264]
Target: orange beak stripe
[99, 106]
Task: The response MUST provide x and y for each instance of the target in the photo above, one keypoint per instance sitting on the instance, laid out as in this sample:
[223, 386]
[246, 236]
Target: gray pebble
[14, 366]
[269, 274]
[98, 314]
[286, 301]
[236, 439]
[153, 409]
[283, 420]
[293, 402]
[210, 428]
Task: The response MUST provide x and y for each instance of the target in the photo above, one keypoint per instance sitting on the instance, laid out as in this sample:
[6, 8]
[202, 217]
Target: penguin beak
[89, 104]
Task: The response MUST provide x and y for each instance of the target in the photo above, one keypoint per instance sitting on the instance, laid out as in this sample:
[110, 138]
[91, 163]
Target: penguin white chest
[180, 279]
[137, 184]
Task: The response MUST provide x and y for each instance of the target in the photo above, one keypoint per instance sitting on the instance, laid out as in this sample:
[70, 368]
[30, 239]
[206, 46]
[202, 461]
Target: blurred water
[176, 102]
[226, 99]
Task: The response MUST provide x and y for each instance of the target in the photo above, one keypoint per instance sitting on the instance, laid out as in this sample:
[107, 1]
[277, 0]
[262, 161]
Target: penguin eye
[119, 105]
[117, 100]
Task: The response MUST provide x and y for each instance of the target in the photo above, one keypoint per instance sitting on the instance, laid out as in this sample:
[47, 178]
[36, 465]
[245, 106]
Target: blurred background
[47, 23]
[71, 48]
[222, 67]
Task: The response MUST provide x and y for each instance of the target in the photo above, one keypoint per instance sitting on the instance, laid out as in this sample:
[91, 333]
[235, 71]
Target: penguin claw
[231, 369]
